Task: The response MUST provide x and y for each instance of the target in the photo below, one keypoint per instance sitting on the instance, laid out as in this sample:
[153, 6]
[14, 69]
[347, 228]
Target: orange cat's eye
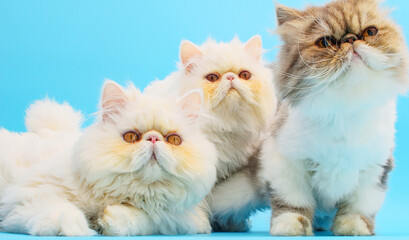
[212, 77]
[174, 139]
[370, 32]
[131, 136]
[325, 42]
[246, 75]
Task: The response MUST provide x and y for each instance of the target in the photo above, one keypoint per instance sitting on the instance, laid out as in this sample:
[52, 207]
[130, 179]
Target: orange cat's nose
[230, 77]
[153, 139]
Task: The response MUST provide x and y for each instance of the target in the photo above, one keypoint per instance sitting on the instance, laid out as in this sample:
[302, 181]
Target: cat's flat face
[232, 75]
[345, 39]
[147, 138]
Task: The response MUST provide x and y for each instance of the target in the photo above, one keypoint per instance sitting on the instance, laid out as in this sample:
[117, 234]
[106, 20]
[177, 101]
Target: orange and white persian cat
[239, 103]
[143, 168]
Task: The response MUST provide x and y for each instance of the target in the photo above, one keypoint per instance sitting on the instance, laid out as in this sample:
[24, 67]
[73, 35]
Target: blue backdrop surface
[65, 49]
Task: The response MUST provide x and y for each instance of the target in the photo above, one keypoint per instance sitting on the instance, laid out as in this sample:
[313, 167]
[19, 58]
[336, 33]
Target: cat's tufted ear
[188, 50]
[191, 103]
[285, 14]
[254, 47]
[113, 100]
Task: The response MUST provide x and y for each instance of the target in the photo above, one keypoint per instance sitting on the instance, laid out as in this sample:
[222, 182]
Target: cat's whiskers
[328, 76]
[299, 54]
[377, 38]
[324, 75]
[132, 177]
[293, 76]
[303, 60]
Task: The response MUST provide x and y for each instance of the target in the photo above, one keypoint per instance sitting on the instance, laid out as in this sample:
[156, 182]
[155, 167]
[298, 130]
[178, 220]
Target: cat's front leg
[47, 217]
[234, 200]
[356, 214]
[292, 212]
[125, 220]
[290, 220]
[201, 218]
[292, 201]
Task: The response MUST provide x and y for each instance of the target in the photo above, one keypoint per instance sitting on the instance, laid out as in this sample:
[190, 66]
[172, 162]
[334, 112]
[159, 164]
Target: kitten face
[232, 75]
[146, 138]
[343, 45]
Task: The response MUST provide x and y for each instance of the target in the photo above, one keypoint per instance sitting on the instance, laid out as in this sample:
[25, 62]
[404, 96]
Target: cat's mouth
[153, 157]
[356, 55]
[232, 89]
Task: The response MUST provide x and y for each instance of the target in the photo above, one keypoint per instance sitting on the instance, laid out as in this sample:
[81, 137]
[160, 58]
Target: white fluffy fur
[52, 127]
[46, 115]
[234, 119]
[97, 181]
[334, 144]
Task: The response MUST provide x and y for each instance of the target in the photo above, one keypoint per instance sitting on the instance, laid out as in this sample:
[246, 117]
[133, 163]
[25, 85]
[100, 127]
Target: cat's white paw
[112, 221]
[202, 223]
[291, 224]
[123, 220]
[66, 223]
[351, 225]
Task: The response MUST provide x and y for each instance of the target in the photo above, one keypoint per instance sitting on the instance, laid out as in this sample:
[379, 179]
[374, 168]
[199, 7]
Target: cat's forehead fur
[224, 57]
[336, 19]
[152, 113]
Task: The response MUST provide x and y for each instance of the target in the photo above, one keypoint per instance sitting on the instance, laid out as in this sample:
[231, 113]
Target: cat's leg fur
[292, 201]
[46, 216]
[356, 214]
[289, 220]
[233, 201]
[125, 220]
[201, 217]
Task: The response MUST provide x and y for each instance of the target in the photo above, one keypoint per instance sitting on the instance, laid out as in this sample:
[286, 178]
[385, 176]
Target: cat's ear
[254, 47]
[113, 100]
[285, 14]
[188, 50]
[191, 103]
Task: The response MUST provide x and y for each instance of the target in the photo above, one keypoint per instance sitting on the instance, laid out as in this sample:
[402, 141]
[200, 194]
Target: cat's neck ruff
[357, 95]
[170, 195]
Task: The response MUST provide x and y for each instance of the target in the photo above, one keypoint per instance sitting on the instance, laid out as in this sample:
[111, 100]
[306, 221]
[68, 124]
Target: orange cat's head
[235, 81]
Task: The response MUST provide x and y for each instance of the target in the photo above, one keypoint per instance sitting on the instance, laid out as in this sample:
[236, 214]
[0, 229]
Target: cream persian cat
[143, 168]
[239, 102]
[339, 72]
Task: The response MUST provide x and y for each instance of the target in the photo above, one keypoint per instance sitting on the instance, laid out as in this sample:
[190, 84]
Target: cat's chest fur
[234, 149]
[336, 154]
[158, 199]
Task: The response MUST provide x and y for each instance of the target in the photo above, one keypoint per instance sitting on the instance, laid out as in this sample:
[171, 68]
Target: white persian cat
[239, 102]
[143, 168]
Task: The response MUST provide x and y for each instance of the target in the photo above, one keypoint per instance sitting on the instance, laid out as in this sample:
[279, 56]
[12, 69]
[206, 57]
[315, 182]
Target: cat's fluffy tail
[48, 115]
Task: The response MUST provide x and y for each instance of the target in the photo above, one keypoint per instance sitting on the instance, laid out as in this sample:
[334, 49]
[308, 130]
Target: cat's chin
[230, 99]
[152, 172]
[233, 95]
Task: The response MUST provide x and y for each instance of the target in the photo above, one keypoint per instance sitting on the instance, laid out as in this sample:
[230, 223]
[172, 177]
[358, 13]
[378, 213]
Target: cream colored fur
[97, 182]
[237, 112]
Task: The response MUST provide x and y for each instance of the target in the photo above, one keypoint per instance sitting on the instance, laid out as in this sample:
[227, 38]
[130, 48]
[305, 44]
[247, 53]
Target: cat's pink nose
[230, 77]
[153, 139]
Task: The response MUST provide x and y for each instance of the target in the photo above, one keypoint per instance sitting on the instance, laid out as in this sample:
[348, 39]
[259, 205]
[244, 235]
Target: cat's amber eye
[131, 136]
[174, 139]
[325, 42]
[212, 77]
[246, 75]
[370, 32]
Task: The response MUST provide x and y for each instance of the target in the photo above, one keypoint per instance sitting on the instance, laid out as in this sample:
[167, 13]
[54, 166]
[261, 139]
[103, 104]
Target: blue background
[65, 49]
